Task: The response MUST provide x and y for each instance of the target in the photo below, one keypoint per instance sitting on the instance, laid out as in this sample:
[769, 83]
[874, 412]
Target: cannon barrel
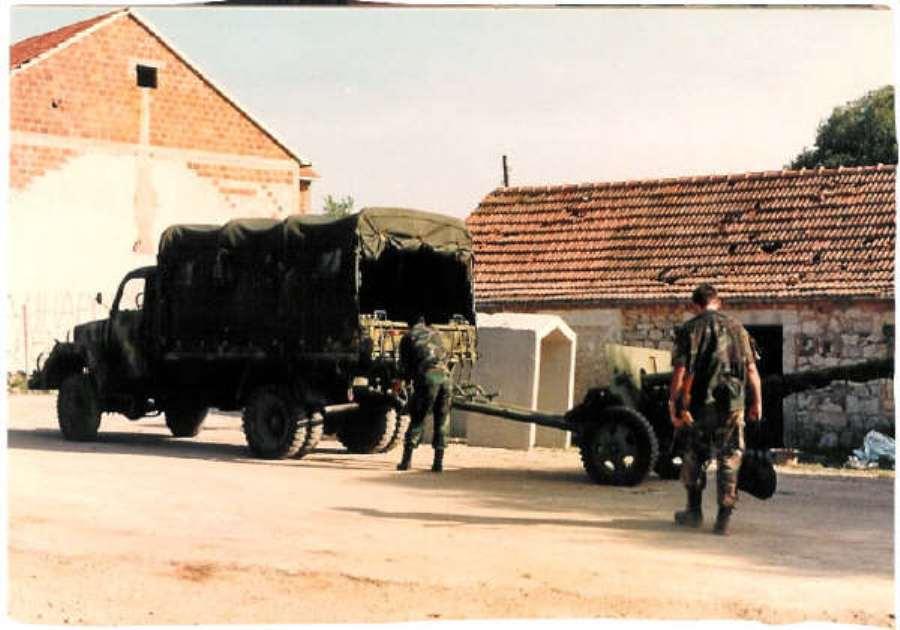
[783, 385]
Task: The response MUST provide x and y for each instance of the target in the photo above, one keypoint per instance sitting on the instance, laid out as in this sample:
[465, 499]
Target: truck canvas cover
[307, 279]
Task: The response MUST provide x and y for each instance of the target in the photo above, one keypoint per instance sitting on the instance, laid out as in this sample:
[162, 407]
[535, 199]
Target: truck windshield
[132, 295]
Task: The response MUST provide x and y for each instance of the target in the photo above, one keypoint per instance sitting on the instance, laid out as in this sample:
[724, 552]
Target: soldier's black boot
[406, 461]
[438, 465]
[692, 516]
[722, 520]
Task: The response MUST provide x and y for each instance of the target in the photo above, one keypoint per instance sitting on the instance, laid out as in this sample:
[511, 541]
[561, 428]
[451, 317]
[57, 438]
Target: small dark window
[146, 76]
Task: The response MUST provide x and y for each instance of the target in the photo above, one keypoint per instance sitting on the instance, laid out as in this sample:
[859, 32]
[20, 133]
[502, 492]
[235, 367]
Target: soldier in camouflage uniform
[423, 360]
[714, 363]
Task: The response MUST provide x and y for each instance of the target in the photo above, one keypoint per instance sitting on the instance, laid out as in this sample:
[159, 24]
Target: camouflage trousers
[432, 394]
[719, 434]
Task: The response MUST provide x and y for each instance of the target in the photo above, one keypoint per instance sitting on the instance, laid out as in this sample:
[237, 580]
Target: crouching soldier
[424, 361]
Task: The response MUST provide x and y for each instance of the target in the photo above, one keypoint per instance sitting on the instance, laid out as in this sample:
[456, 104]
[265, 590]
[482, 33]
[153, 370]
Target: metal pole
[25, 329]
[514, 413]
[505, 173]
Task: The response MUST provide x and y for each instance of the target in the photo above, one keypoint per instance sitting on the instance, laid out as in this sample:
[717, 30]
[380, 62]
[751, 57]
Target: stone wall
[651, 326]
[840, 415]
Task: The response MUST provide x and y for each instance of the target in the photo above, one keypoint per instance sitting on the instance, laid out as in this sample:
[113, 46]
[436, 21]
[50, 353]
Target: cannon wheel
[78, 408]
[620, 449]
[272, 427]
[371, 430]
[184, 417]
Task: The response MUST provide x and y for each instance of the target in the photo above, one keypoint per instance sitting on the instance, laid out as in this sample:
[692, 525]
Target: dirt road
[143, 528]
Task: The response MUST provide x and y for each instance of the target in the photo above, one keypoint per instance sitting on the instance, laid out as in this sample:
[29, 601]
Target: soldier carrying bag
[757, 475]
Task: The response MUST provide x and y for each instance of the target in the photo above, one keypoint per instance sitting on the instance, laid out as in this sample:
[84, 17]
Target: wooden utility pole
[505, 173]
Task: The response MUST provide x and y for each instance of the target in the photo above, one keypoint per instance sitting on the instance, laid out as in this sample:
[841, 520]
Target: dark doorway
[770, 434]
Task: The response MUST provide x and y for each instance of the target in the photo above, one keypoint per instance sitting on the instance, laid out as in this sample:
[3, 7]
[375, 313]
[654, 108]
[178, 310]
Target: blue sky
[414, 107]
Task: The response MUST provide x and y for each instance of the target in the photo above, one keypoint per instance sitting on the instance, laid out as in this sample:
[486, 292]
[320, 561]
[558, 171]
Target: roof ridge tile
[783, 173]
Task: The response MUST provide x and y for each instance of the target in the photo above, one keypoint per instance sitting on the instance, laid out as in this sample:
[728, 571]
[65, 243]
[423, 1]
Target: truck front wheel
[272, 427]
[78, 408]
[184, 418]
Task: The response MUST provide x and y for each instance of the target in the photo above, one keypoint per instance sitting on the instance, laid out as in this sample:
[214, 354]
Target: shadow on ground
[810, 527]
[161, 445]
[629, 524]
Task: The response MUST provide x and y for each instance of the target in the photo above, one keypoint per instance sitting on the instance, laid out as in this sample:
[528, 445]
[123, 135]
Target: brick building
[115, 136]
[804, 258]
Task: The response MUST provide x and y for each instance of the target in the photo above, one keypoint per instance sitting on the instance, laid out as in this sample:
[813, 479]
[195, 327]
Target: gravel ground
[142, 528]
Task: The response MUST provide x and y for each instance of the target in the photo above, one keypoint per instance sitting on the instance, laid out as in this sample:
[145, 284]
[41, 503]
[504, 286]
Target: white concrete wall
[556, 384]
[530, 360]
[508, 363]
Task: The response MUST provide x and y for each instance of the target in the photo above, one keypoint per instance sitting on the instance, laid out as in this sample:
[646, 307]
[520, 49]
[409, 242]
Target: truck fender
[65, 359]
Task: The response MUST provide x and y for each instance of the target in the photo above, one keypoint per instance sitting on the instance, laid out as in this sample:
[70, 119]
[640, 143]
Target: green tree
[337, 207]
[859, 133]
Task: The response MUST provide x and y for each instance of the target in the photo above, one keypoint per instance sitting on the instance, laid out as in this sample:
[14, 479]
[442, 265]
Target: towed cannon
[623, 431]
[654, 392]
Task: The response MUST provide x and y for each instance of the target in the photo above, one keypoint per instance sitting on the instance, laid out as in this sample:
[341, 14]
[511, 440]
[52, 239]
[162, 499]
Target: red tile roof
[308, 172]
[808, 234]
[27, 49]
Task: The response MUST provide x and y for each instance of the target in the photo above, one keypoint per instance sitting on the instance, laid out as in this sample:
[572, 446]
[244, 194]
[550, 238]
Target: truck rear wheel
[370, 430]
[620, 449]
[311, 435]
[399, 433]
[272, 427]
[78, 408]
[184, 418]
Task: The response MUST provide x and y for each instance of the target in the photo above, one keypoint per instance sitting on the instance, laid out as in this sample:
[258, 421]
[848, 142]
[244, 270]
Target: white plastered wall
[73, 230]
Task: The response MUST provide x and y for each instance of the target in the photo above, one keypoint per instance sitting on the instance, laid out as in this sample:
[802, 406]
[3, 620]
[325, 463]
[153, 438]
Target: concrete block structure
[114, 135]
[805, 259]
[530, 360]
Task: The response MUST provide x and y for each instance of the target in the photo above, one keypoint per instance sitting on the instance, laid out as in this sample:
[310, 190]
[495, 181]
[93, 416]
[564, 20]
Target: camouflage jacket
[422, 349]
[714, 349]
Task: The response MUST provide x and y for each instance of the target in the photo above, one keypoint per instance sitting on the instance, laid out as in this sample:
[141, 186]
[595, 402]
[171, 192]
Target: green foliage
[16, 382]
[859, 133]
[337, 207]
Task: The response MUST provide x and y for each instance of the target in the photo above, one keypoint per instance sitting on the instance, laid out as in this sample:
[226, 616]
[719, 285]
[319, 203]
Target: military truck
[296, 323]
